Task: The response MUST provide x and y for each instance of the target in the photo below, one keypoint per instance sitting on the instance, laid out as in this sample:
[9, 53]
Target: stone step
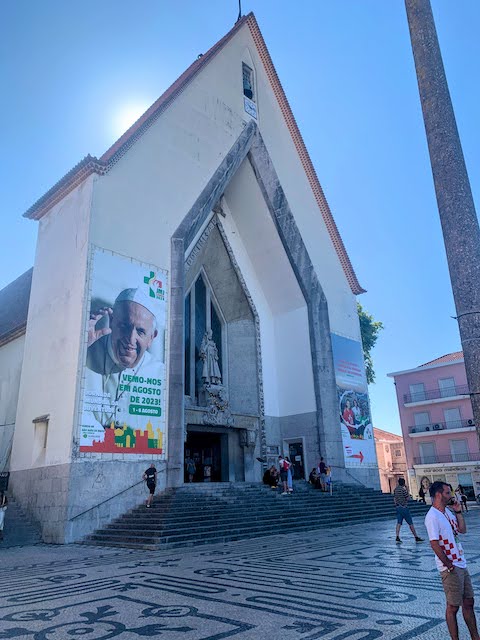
[221, 512]
[189, 540]
[160, 528]
[287, 503]
[149, 518]
[19, 529]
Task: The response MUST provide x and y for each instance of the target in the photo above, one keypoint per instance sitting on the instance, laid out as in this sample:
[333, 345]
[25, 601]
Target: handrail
[356, 479]
[110, 498]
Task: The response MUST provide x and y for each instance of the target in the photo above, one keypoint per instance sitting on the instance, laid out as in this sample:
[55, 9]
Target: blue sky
[70, 70]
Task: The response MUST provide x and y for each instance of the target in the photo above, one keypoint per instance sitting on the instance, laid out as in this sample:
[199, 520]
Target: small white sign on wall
[250, 107]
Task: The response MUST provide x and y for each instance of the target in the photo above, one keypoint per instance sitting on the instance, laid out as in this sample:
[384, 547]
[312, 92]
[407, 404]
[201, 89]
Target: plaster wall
[288, 385]
[54, 330]
[11, 358]
[145, 195]
[40, 460]
[442, 443]
[294, 368]
[435, 410]
[341, 301]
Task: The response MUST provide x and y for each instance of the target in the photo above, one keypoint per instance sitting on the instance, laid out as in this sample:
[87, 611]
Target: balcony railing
[433, 394]
[450, 457]
[440, 426]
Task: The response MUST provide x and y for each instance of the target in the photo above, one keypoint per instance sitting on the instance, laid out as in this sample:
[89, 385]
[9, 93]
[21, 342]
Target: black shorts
[151, 486]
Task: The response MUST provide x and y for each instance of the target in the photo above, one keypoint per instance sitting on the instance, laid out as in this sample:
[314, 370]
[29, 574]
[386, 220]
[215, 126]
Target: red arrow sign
[358, 455]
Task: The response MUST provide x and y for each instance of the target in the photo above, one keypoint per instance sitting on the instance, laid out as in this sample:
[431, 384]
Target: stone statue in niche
[214, 394]
[209, 354]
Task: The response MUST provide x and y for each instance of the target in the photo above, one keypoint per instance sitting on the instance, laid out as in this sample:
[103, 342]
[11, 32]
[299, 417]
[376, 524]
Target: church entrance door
[205, 449]
[295, 453]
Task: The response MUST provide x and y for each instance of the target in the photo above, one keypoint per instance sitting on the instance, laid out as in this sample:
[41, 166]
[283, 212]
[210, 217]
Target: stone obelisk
[459, 221]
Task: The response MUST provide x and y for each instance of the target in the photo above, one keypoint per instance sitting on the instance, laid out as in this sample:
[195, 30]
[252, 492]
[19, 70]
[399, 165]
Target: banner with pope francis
[123, 395]
[353, 403]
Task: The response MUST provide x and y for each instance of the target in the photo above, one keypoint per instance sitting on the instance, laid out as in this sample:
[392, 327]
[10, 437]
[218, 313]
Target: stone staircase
[19, 530]
[220, 512]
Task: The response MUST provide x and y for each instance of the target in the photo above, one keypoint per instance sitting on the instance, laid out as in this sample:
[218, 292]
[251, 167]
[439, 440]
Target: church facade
[191, 302]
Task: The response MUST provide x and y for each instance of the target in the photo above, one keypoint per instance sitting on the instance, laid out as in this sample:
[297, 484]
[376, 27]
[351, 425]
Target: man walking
[400, 498]
[443, 526]
[150, 476]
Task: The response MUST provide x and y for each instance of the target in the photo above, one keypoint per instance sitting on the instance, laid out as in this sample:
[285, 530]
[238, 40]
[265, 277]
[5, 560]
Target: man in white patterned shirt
[443, 526]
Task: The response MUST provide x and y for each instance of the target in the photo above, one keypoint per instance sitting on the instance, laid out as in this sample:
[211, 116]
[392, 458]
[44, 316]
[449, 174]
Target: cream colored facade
[392, 461]
[134, 207]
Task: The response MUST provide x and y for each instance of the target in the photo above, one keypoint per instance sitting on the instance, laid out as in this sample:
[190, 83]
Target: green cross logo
[149, 280]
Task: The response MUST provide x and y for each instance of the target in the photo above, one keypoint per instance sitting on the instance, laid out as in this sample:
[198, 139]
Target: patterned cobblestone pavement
[351, 583]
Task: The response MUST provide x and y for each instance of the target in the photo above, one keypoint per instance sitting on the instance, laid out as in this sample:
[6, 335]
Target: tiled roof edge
[70, 180]
[164, 101]
[447, 358]
[13, 334]
[91, 164]
[304, 155]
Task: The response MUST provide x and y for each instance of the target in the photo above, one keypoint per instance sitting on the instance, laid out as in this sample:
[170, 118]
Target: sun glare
[126, 116]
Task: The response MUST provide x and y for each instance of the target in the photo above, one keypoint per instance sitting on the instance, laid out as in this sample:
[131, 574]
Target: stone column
[176, 418]
[454, 197]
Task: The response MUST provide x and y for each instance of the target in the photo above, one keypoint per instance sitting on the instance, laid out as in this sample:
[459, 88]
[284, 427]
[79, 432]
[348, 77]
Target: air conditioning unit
[427, 428]
[437, 427]
[470, 422]
[413, 430]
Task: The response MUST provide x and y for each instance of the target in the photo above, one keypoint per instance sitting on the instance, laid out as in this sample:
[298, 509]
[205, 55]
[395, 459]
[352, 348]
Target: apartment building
[438, 429]
[391, 458]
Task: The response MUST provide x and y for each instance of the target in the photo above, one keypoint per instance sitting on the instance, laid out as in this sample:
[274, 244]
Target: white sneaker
[284, 493]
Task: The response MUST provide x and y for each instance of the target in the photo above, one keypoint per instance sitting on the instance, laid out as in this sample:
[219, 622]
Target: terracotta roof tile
[14, 301]
[91, 164]
[304, 155]
[449, 357]
[386, 435]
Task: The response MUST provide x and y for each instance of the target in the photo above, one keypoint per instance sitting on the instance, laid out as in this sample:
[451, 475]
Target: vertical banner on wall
[353, 403]
[123, 397]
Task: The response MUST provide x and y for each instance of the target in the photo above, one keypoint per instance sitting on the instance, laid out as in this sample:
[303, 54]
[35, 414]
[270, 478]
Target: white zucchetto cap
[138, 296]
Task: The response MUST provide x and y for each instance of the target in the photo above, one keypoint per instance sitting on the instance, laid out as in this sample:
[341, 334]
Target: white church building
[191, 301]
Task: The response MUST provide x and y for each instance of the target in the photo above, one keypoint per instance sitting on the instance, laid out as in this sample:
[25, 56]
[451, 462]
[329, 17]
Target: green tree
[369, 329]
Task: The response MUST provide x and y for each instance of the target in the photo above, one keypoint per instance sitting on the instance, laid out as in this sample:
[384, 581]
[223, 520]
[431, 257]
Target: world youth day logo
[155, 286]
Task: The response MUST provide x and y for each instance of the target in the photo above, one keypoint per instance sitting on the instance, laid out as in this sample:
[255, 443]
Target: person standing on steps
[191, 468]
[150, 477]
[443, 526]
[321, 472]
[400, 498]
[289, 475]
[3, 508]
[283, 467]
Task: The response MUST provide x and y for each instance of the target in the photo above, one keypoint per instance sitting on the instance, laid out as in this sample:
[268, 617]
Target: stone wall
[43, 494]
[114, 485]
[60, 498]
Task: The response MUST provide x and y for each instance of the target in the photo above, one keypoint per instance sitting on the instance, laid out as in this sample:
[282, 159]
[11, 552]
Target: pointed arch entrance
[327, 439]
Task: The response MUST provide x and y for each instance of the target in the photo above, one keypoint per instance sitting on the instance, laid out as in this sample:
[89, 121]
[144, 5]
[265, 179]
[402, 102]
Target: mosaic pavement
[350, 583]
